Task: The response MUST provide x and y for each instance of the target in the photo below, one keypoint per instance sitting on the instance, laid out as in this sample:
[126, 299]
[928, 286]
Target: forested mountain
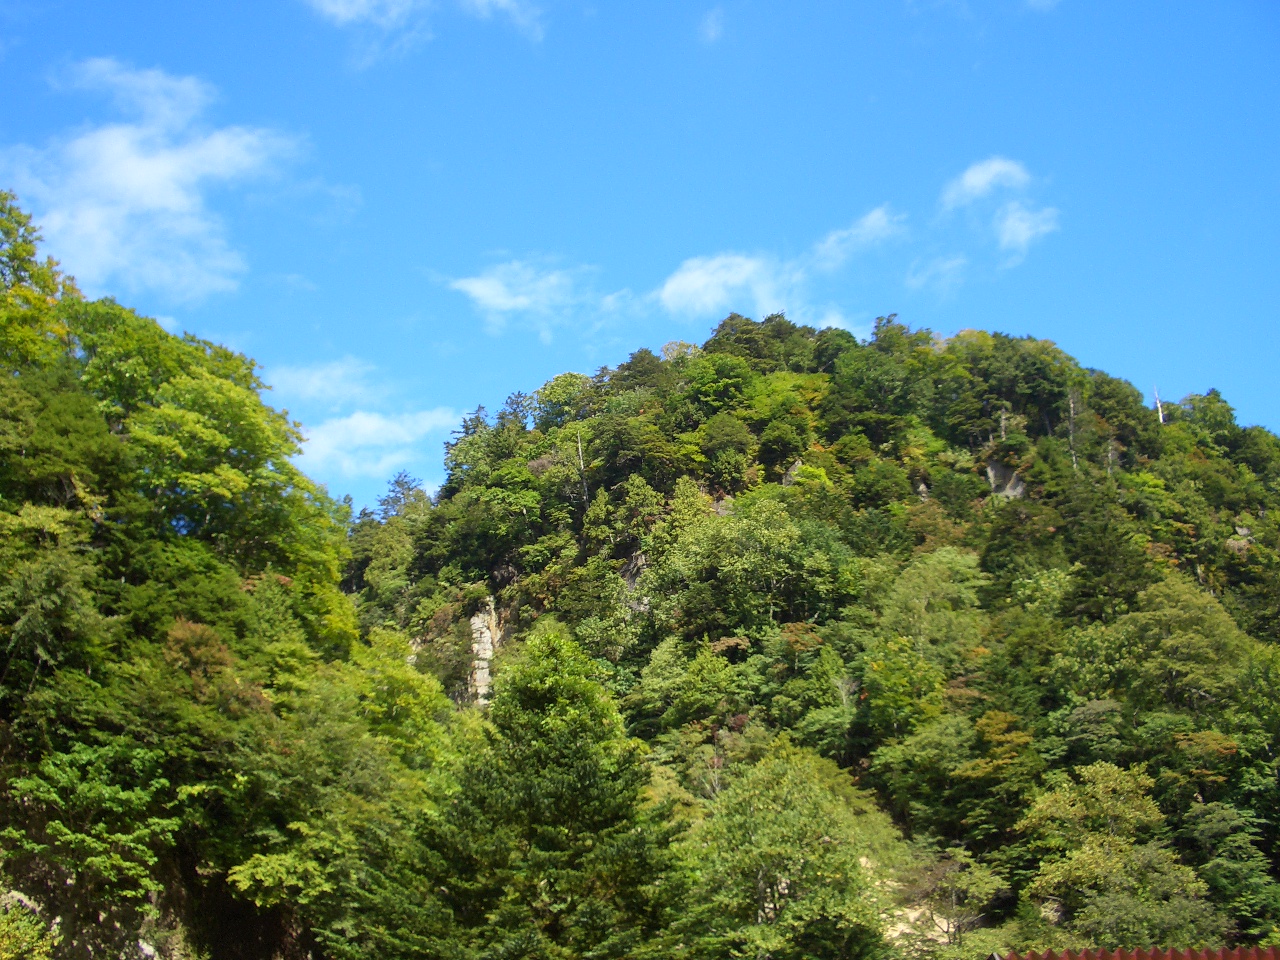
[804, 647]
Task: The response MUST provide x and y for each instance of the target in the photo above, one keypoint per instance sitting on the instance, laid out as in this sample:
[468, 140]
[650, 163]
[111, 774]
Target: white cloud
[983, 177]
[834, 317]
[942, 273]
[836, 247]
[525, 16]
[538, 296]
[518, 286]
[408, 17]
[365, 444]
[298, 282]
[712, 26]
[706, 285]
[335, 382]
[350, 432]
[162, 99]
[381, 13]
[125, 203]
[1017, 226]
[761, 284]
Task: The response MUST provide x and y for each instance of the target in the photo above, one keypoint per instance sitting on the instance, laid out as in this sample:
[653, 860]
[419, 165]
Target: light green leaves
[779, 866]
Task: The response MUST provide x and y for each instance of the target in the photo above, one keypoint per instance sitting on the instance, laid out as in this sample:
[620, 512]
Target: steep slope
[790, 646]
[984, 580]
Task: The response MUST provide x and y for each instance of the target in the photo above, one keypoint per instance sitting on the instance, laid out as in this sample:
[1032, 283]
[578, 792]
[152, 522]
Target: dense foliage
[809, 648]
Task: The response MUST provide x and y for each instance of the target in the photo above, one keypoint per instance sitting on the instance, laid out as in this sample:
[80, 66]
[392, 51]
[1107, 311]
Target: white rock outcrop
[486, 636]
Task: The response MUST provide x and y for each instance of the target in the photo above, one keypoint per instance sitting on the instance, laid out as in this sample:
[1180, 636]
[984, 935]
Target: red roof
[1150, 953]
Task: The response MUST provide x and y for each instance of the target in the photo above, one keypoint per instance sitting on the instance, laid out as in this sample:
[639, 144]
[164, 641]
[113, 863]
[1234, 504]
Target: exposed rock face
[1238, 545]
[486, 636]
[630, 573]
[636, 564]
[1004, 480]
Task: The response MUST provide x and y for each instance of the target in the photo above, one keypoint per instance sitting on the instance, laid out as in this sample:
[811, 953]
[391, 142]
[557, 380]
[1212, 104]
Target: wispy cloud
[334, 383]
[711, 28]
[707, 285]
[761, 282]
[543, 295]
[941, 273]
[540, 293]
[125, 203]
[1016, 223]
[981, 179]
[1018, 226]
[367, 444]
[387, 14]
[298, 282]
[524, 16]
[393, 26]
[356, 428]
[837, 246]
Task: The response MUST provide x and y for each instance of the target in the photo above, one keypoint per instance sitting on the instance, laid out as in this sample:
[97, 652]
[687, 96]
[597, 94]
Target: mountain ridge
[802, 646]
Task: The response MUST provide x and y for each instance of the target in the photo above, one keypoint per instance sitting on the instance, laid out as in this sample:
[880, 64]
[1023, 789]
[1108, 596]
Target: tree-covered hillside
[806, 647]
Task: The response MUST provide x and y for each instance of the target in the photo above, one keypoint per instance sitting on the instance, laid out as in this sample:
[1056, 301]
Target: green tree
[1107, 868]
[1222, 844]
[956, 891]
[31, 291]
[560, 856]
[85, 830]
[778, 867]
[23, 935]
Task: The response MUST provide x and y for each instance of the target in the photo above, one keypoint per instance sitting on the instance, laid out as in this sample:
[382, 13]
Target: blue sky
[406, 208]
